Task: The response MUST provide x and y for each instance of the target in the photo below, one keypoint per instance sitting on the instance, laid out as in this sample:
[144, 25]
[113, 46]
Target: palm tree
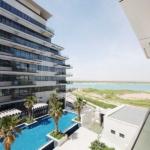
[56, 111]
[8, 130]
[79, 104]
[30, 101]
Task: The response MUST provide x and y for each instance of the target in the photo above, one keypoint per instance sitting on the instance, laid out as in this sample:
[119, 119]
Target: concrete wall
[114, 140]
[138, 13]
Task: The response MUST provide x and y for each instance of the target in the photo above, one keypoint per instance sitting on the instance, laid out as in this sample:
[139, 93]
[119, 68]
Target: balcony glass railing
[59, 56]
[63, 82]
[22, 83]
[29, 70]
[61, 73]
[63, 65]
[16, 97]
[24, 70]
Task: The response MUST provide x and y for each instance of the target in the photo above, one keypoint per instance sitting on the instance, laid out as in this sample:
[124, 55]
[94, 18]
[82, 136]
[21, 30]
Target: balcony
[22, 83]
[13, 98]
[9, 84]
[63, 66]
[18, 59]
[2, 68]
[16, 15]
[32, 38]
[63, 74]
[24, 70]
[59, 57]
[61, 90]
[63, 82]
[16, 71]
[5, 98]
[5, 83]
[23, 96]
[50, 30]
[11, 43]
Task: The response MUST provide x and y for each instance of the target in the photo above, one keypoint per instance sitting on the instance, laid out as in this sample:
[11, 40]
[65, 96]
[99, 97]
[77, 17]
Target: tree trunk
[56, 125]
[7, 146]
[79, 114]
[29, 114]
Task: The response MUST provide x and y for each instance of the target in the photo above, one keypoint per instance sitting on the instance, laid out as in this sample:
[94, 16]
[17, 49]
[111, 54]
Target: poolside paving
[80, 140]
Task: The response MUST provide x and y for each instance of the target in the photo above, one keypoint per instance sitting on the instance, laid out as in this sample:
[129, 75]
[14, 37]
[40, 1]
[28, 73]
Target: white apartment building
[122, 126]
[30, 63]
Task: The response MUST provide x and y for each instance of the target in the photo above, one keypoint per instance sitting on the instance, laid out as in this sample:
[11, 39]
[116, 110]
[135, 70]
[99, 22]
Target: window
[121, 135]
[113, 131]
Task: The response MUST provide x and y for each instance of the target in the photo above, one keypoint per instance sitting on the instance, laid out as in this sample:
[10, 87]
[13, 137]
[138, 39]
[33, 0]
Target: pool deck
[80, 140]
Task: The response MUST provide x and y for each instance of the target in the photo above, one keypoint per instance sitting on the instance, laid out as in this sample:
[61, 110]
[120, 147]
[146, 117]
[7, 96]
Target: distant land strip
[84, 81]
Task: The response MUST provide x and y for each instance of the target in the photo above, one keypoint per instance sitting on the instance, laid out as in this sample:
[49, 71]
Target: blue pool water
[35, 137]
[111, 86]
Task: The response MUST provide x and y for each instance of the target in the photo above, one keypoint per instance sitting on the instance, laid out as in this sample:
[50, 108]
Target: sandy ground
[136, 96]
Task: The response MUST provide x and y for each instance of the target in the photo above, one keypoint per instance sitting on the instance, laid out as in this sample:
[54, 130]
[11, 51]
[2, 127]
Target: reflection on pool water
[34, 137]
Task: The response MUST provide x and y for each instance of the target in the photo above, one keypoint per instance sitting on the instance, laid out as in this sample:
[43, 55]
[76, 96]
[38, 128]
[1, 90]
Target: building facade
[138, 13]
[122, 126]
[30, 64]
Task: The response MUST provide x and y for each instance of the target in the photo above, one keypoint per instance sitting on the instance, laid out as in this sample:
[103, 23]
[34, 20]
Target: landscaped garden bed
[57, 137]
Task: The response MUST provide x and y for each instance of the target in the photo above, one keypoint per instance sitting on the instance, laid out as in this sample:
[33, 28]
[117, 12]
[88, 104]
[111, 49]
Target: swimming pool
[34, 137]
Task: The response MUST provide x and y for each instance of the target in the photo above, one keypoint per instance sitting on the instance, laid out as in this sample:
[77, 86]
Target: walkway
[80, 140]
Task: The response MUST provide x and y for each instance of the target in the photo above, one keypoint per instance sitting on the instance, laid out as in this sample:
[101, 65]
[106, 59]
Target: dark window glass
[113, 131]
[121, 135]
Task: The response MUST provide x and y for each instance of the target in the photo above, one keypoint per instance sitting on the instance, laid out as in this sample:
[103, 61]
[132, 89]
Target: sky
[98, 40]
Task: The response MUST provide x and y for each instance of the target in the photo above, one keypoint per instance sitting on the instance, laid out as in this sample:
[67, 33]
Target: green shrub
[57, 135]
[97, 145]
[29, 120]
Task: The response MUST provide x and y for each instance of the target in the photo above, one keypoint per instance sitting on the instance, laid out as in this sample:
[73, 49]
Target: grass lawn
[109, 98]
[95, 101]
